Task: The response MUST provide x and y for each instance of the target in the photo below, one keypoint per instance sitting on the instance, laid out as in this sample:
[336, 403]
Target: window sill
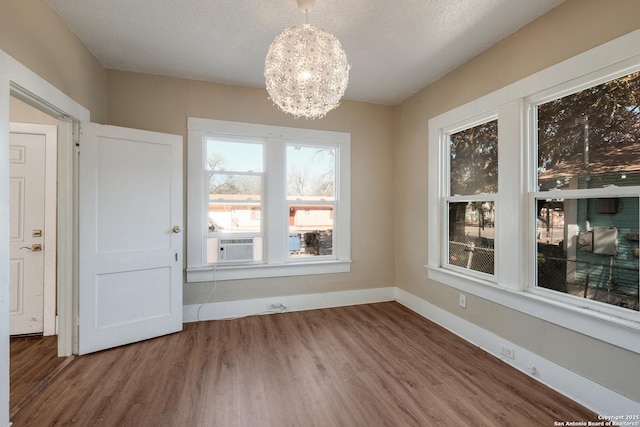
[253, 271]
[614, 330]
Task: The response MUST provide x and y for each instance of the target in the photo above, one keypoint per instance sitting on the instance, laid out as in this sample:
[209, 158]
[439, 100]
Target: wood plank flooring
[368, 365]
[34, 362]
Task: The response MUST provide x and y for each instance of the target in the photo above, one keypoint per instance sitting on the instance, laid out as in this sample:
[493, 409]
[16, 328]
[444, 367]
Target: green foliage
[474, 159]
[607, 114]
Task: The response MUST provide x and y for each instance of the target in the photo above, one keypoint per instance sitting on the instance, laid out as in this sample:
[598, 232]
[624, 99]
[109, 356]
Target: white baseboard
[251, 307]
[592, 395]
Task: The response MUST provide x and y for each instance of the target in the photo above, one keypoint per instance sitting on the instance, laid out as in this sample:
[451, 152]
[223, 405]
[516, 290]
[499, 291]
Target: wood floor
[368, 365]
[34, 362]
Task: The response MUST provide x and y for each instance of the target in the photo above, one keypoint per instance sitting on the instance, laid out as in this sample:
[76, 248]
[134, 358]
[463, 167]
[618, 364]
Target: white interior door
[27, 190]
[130, 240]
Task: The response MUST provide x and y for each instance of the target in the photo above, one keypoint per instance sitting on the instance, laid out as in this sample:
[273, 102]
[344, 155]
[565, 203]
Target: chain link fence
[608, 283]
[472, 256]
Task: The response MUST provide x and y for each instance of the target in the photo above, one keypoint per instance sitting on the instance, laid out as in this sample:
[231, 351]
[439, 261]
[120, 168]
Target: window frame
[515, 268]
[448, 198]
[276, 262]
[607, 309]
[209, 173]
[332, 202]
[591, 79]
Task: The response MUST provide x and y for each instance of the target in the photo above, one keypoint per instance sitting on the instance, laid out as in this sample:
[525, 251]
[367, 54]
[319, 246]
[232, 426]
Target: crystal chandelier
[306, 71]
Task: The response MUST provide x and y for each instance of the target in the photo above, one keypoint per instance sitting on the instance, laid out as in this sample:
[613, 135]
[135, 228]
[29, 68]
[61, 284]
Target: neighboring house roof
[617, 160]
[256, 197]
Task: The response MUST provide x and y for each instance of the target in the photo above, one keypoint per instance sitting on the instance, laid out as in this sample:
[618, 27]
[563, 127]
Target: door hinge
[76, 131]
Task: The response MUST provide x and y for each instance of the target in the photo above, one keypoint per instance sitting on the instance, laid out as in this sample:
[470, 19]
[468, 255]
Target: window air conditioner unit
[234, 250]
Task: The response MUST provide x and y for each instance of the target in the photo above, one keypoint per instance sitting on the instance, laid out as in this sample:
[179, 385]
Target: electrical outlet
[531, 368]
[276, 306]
[508, 351]
[462, 300]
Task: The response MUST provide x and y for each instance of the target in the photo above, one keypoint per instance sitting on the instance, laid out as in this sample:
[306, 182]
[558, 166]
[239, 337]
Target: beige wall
[163, 104]
[33, 34]
[25, 113]
[571, 28]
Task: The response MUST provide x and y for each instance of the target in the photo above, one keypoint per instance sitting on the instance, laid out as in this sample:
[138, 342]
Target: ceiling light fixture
[306, 71]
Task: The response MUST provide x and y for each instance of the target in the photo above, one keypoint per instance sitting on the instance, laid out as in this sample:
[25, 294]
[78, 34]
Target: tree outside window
[587, 246]
[473, 185]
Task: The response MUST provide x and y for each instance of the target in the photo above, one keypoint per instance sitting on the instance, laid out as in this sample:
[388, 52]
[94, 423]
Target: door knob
[176, 229]
[36, 247]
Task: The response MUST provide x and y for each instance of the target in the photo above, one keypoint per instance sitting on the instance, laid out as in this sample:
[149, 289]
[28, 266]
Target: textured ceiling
[395, 47]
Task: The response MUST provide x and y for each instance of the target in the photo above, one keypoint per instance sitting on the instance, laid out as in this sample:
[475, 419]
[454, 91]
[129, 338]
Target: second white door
[32, 234]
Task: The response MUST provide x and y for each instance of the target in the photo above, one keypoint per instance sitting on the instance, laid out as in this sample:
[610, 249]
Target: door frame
[67, 160]
[24, 84]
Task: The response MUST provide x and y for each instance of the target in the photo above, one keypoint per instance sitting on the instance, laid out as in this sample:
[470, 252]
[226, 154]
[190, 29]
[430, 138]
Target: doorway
[33, 147]
[24, 84]
[33, 242]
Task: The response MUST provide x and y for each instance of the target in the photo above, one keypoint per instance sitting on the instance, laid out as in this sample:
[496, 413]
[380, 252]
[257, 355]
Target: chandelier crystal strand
[306, 71]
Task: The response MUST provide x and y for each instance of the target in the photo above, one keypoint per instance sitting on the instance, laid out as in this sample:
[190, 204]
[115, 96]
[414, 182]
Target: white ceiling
[395, 47]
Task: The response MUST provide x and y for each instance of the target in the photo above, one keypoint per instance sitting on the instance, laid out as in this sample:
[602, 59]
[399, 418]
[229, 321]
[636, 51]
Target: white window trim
[453, 198]
[276, 263]
[514, 271]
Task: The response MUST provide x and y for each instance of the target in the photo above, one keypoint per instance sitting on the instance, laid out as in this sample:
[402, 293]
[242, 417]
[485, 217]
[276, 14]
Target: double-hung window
[560, 239]
[266, 201]
[471, 202]
[234, 174]
[586, 191]
[311, 202]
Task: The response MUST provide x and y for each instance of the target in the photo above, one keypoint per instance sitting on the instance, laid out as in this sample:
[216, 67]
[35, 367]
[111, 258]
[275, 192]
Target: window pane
[310, 230]
[591, 138]
[589, 248]
[474, 160]
[310, 172]
[471, 235]
[226, 186]
[238, 217]
[234, 156]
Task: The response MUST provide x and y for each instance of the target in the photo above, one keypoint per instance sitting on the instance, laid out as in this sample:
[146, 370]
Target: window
[234, 171]
[473, 184]
[563, 148]
[588, 149]
[266, 201]
[310, 200]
